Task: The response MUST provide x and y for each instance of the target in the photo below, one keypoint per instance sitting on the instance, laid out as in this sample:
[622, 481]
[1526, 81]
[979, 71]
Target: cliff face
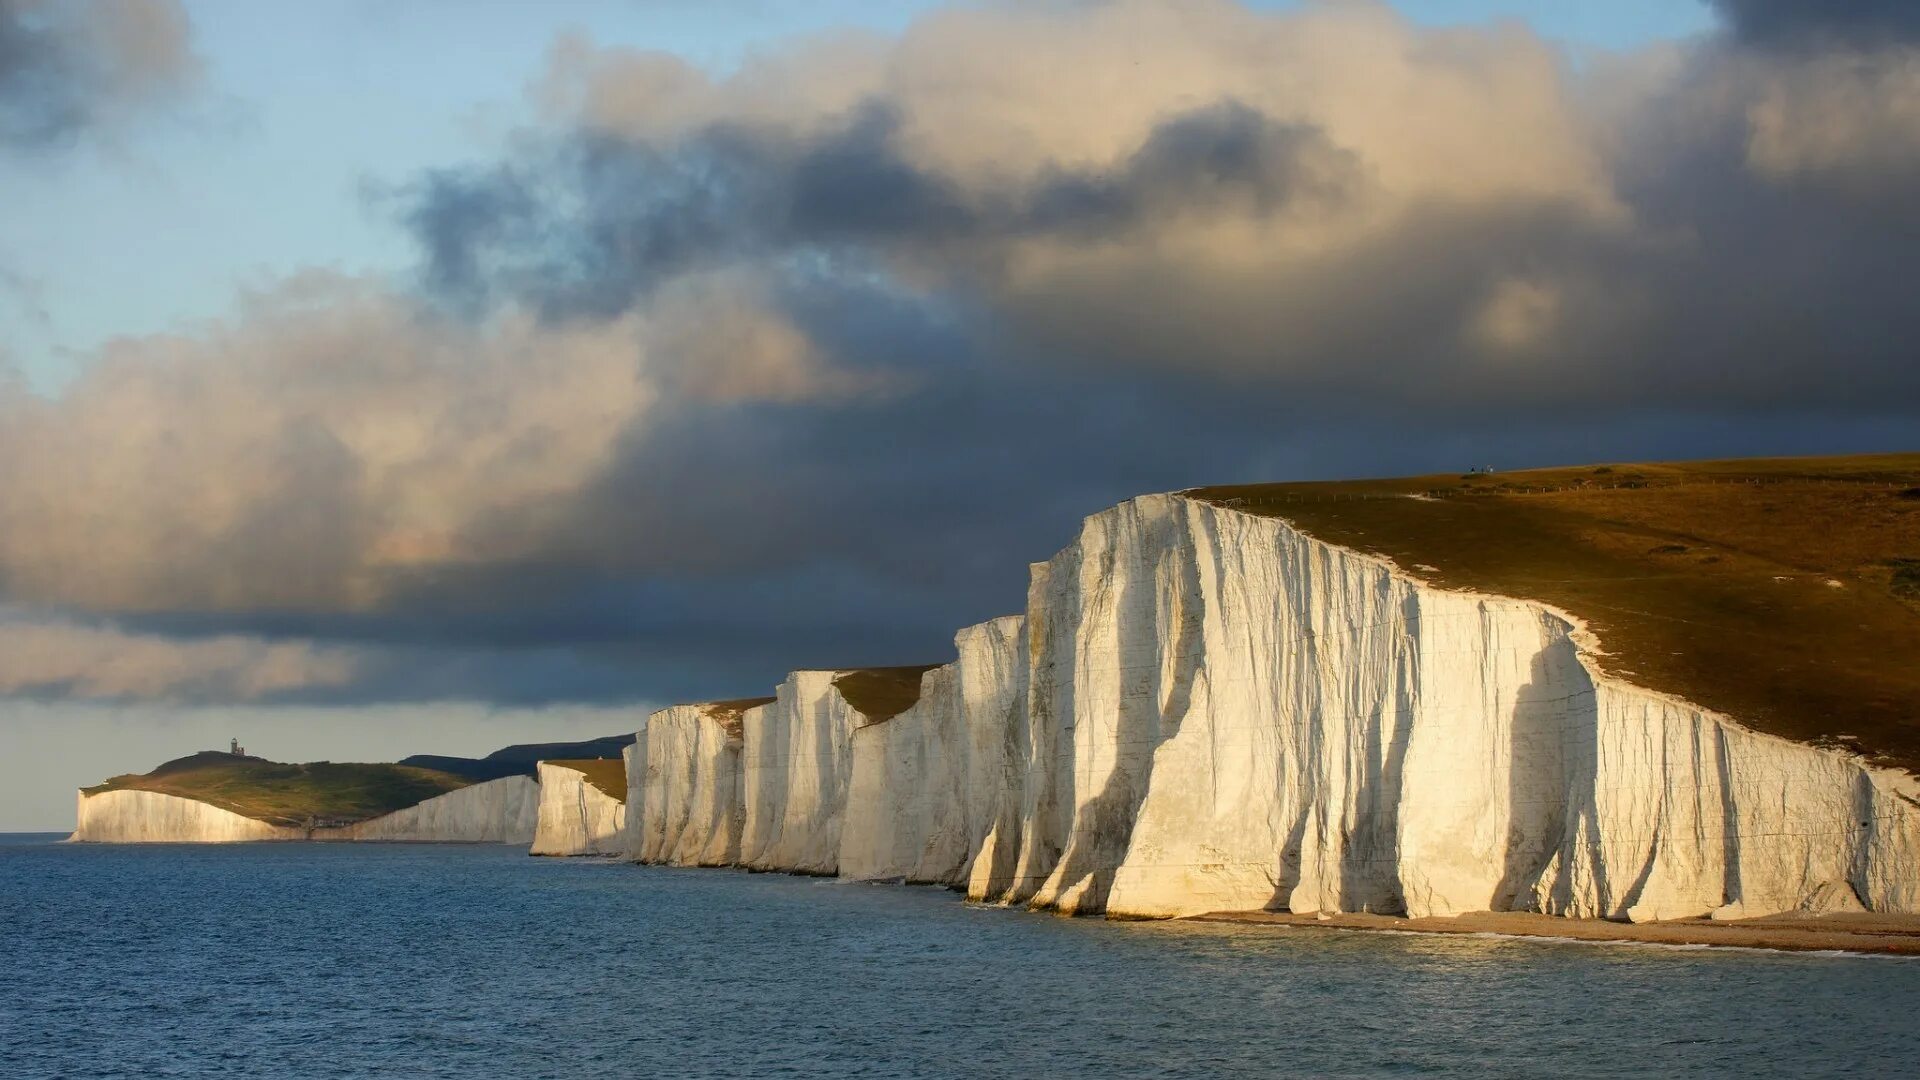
[576, 818]
[684, 784]
[503, 811]
[633, 825]
[796, 761]
[500, 812]
[929, 785]
[150, 817]
[1207, 710]
[1227, 714]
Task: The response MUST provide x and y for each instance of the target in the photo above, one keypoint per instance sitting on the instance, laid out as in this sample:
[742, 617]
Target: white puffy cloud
[336, 440]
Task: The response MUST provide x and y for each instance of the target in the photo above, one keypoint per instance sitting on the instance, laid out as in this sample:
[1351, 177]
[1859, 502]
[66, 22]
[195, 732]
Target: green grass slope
[320, 793]
[1784, 593]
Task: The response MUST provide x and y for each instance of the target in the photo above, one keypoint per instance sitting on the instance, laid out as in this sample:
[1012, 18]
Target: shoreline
[1869, 934]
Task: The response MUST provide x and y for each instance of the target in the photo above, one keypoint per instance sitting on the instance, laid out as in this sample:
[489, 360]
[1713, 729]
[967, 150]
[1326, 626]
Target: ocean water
[300, 960]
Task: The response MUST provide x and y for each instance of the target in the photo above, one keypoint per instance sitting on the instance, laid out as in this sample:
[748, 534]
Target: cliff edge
[582, 808]
[1261, 699]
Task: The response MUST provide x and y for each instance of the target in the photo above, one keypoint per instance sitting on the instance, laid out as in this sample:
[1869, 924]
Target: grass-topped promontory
[730, 714]
[609, 775]
[323, 793]
[882, 693]
[1784, 593]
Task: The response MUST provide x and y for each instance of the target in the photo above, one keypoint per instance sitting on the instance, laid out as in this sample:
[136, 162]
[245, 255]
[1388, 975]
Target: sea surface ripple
[313, 960]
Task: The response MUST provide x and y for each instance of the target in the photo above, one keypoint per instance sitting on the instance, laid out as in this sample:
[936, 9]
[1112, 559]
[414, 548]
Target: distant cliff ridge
[295, 796]
[1205, 707]
[214, 796]
[522, 759]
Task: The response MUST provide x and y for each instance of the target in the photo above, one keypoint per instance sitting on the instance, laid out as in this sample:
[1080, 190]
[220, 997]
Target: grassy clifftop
[730, 714]
[1784, 593]
[320, 792]
[882, 693]
[609, 775]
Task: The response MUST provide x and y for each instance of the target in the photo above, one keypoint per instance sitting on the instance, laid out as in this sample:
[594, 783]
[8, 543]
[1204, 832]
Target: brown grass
[728, 714]
[609, 775]
[1784, 593]
[882, 693]
[321, 793]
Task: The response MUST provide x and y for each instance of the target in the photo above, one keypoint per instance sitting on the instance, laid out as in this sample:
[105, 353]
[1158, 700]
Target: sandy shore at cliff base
[1863, 933]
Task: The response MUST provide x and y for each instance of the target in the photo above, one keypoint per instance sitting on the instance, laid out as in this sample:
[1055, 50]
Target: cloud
[337, 443]
[1820, 22]
[1845, 119]
[706, 378]
[41, 656]
[1335, 201]
[80, 66]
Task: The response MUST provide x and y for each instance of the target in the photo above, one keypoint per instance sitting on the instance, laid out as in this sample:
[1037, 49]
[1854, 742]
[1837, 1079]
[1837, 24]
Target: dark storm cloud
[41, 98]
[1814, 22]
[68, 68]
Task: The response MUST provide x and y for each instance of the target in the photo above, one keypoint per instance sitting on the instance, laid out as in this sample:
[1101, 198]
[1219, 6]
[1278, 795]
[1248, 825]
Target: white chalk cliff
[500, 811]
[685, 787]
[503, 811]
[1209, 710]
[929, 785]
[575, 817]
[795, 764]
[125, 816]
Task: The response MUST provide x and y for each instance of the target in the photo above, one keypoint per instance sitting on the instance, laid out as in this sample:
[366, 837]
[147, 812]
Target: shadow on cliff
[1370, 857]
[1553, 788]
[1368, 836]
[1047, 791]
[1147, 713]
[1004, 828]
[1550, 713]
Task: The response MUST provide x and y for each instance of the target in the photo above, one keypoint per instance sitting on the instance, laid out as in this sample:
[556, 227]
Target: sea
[335, 960]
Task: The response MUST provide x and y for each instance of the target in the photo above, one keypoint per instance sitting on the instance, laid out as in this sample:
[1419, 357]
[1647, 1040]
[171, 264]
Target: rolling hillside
[1784, 593]
[320, 792]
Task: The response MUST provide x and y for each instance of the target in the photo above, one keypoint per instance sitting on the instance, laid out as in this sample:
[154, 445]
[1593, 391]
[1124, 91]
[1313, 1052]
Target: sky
[382, 378]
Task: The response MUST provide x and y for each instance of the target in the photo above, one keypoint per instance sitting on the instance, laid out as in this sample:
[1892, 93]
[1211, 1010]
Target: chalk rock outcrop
[127, 816]
[1228, 714]
[796, 760]
[576, 817]
[634, 822]
[503, 811]
[686, 789]
[928, 786]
